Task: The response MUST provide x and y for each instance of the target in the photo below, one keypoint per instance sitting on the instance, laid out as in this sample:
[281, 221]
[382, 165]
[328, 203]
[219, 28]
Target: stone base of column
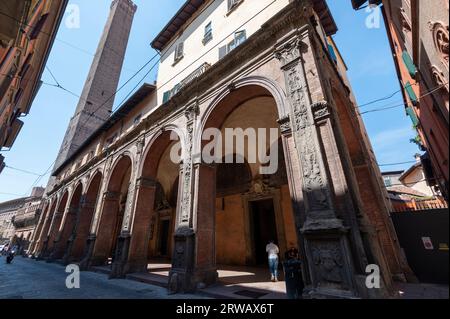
[85, 262]
[40, 254]
[181, 277]
[52, 255]
[329, 260]
[121, 256]
[184, 277]
[136, 266]
[67, 259]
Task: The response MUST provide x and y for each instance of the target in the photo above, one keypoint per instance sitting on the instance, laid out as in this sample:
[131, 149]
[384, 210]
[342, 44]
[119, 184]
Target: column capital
[321, 110]
[111, 196]
[144, 182]
[285, 125]
[290, 48]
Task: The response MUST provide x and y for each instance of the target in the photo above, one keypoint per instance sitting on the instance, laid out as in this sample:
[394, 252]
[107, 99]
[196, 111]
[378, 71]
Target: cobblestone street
[30, 279]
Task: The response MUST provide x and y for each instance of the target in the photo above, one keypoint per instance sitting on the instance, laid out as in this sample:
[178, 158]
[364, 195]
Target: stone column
[181, 278]
[205, 270]
[41, 233]
[123, 244]
[65, 231]
[83, 206]
[324, 236]
[82, 229]
[145, 200]
[101, 242]
[37, 233]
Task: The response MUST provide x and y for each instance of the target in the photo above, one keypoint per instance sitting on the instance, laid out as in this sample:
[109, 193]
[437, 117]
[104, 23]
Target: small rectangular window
[179, 51]
[208, 33]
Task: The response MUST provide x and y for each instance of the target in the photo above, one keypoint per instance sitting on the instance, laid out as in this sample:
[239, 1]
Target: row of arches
[154, 217]
[233, 209]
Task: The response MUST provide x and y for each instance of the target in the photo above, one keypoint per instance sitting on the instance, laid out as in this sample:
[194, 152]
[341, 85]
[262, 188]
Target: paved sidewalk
[30, 279]
[422, 291]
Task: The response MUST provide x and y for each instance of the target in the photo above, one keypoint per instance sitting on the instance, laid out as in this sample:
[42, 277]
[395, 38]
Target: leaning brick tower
[96, 102]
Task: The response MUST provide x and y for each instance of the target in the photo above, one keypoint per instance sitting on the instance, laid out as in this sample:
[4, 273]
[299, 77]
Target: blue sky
[366, 52]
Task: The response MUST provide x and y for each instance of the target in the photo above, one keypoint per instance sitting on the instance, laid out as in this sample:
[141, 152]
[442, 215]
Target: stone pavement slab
[29, 279]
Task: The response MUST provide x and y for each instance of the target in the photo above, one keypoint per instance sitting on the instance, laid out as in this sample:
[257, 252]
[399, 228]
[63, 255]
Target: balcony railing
[191, 77]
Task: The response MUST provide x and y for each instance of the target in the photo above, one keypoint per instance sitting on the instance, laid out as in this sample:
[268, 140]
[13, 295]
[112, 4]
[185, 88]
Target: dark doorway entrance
[264, 228]
[164, 230]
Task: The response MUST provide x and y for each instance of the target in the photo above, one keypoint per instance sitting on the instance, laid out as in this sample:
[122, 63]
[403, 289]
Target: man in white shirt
[273, 251]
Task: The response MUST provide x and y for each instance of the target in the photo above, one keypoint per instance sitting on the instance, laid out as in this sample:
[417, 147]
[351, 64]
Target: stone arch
[254, 102]
[87, 210]
[259, 84]
[60, 207]
[69, 221]
[150, 196]
[155, 147]
[233, 177]
[113, 210]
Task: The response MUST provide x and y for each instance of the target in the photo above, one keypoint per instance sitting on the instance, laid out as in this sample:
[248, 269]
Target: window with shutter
[166, 97]
[409, 63]
[332, 53]
[413, 116]
[412, 95]
[222, 52]
[179, 51]
[208, 33]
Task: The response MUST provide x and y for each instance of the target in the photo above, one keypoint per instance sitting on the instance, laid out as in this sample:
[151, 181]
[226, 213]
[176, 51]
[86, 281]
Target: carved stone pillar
[140, 233]
[123, 243]
[324, 235]
[181, 278]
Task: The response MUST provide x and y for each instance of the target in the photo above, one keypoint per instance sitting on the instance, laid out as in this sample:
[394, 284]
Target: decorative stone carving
[191, 114]
[405, 21]
[321, 110]
[259, 187]
[161, 202]
[285, 125]
[140, 145]
[290, 51]
[328, 259]
[440, 38]
[441, 84]
[314, 180]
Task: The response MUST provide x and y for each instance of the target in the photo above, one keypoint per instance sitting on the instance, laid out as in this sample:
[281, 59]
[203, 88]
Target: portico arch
[157, 175]
[86, 215]
[234, 218]
[113, 210]
[56, 220]
[68, 223]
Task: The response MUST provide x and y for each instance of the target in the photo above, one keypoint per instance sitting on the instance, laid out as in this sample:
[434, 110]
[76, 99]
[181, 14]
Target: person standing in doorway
[273, 251]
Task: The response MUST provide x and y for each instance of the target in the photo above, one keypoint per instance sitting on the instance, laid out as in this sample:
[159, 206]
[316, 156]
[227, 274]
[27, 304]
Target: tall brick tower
[95, 105]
